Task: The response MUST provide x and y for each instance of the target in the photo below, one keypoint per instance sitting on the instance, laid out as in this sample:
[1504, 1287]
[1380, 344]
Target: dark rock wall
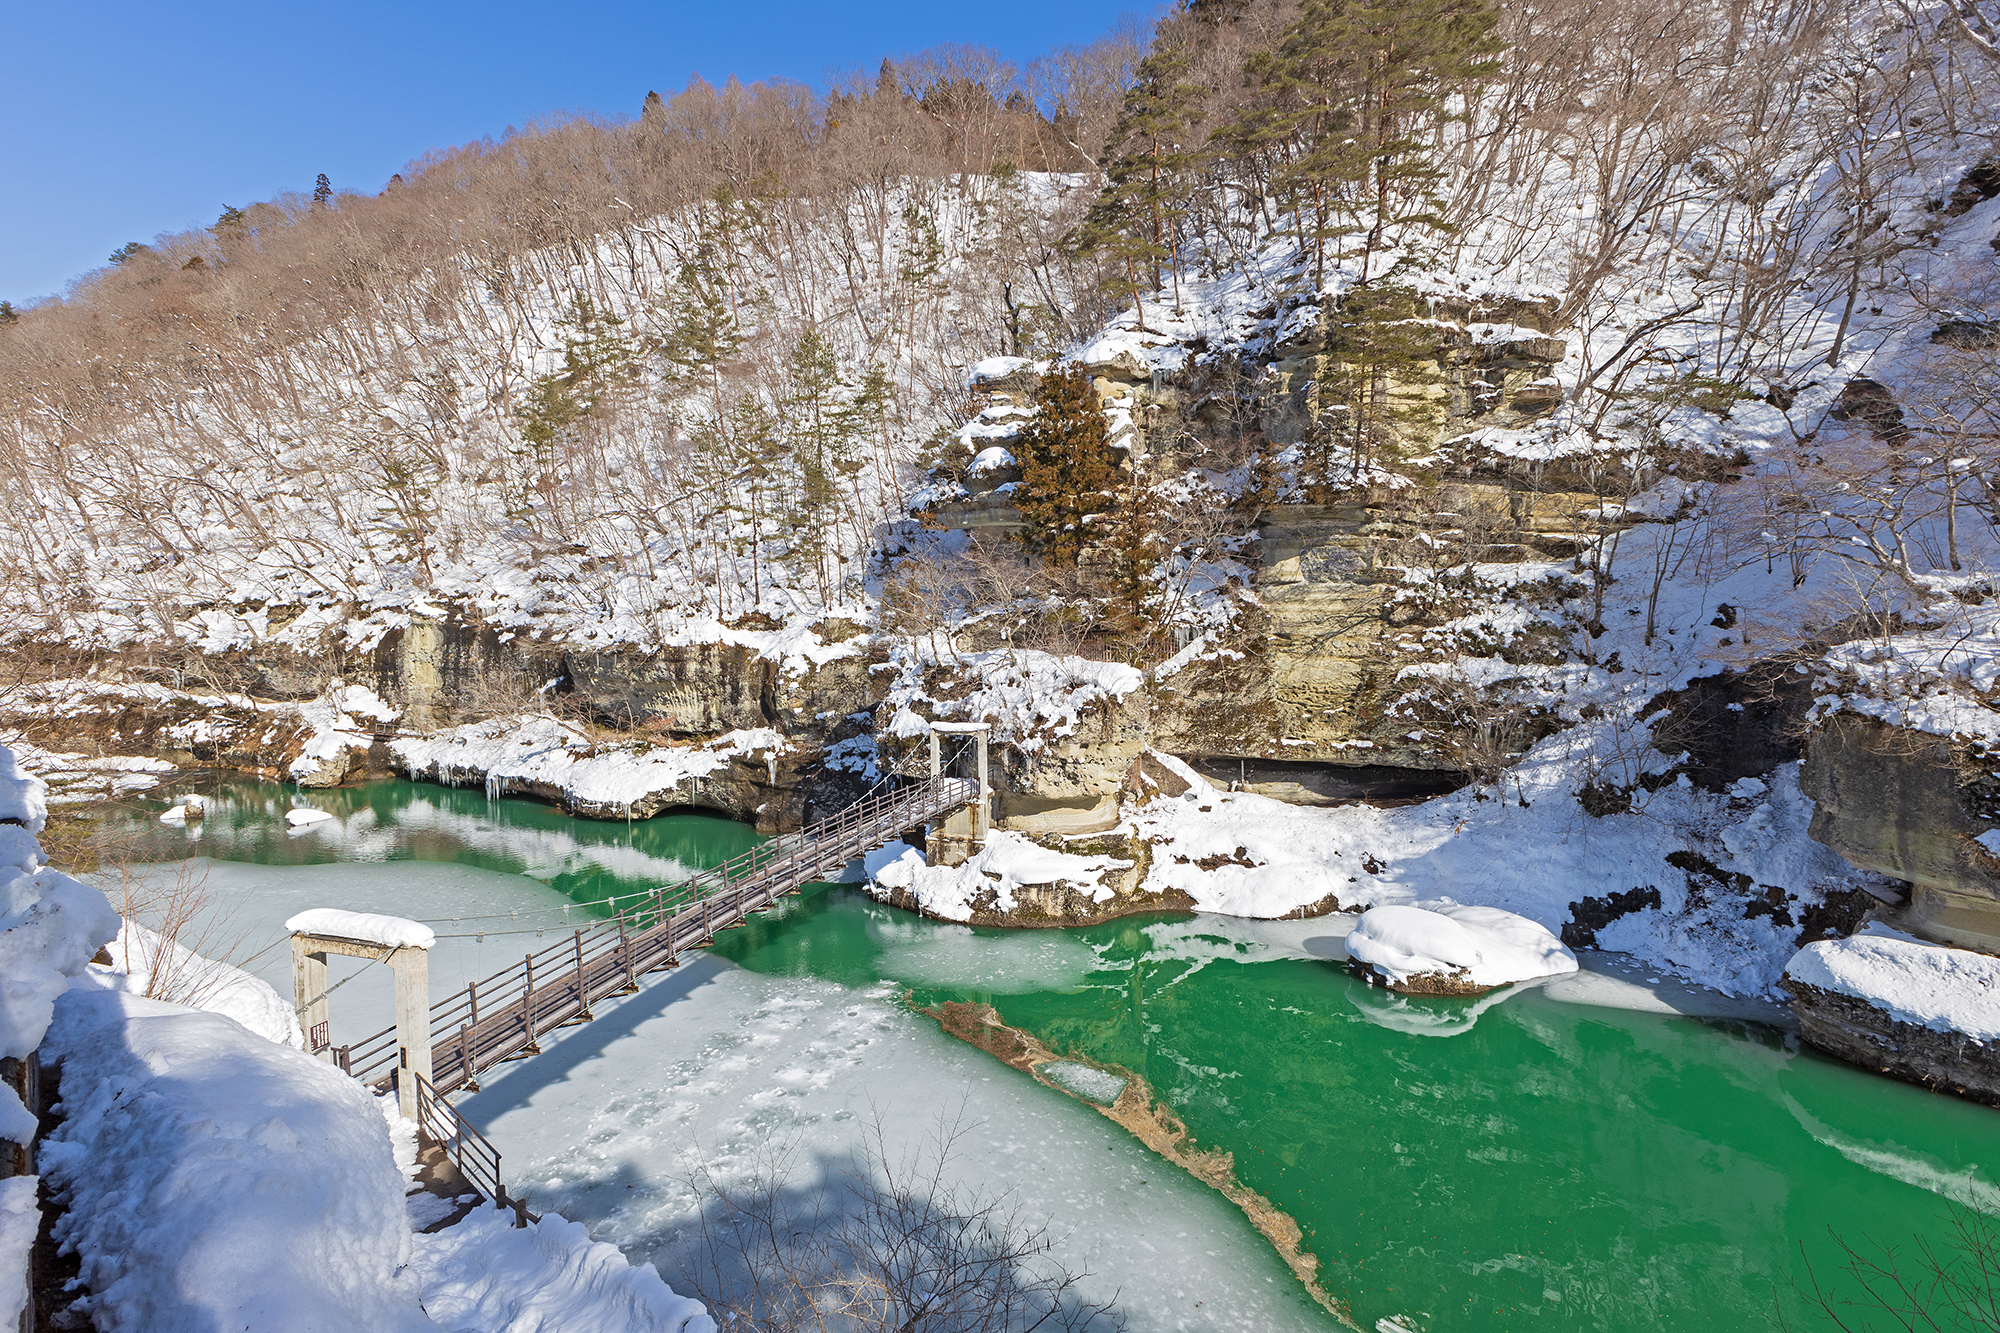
[1858, 1032]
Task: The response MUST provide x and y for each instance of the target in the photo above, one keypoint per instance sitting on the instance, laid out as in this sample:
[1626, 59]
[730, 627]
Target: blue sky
[124, 120]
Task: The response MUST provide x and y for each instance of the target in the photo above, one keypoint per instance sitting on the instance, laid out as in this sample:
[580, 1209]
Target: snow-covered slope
[50, 927]
[213, 1178]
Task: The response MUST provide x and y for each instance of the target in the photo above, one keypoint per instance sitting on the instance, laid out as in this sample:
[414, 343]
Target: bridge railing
[470, 1151]
[502, 1015]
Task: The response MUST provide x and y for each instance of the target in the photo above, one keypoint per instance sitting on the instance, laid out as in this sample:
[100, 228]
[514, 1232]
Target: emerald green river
[1532, 1162]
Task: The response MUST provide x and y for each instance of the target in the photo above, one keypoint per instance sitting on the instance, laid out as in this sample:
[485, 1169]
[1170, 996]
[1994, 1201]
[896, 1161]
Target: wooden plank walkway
[503, 1016]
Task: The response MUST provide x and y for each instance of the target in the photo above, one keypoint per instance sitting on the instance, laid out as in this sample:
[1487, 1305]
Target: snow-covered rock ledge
[1016, 881]
[543, 756]
[1904, 1007]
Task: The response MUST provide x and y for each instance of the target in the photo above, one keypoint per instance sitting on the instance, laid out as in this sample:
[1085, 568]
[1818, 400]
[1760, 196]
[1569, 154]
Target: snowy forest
[1443, 556]
[611, 379]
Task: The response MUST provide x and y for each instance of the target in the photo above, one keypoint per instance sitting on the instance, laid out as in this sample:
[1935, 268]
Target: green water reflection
[589, 860]
[1549, 1166]
[1553, 1166]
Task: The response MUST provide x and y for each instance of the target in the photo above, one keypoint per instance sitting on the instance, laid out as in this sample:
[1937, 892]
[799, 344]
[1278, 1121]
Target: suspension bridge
[427, 1055]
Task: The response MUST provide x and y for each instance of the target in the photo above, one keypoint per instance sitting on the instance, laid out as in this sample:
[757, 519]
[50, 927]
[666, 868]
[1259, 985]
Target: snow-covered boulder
[985, 887]
[1903, 1006]
[336, 733]
[1453, 950]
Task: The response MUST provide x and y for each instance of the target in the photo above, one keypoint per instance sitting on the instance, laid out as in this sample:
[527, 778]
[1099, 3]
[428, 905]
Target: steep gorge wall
[1911, 806]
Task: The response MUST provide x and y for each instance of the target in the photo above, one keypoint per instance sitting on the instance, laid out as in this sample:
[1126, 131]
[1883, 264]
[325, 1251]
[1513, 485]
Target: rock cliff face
[1858, 1032]
[1900, 802]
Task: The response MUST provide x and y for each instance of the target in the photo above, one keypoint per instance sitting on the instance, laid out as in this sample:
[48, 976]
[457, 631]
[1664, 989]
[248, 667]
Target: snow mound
[995, 368]
[304, 815]
[485, 1274]
[1472, 947]
[50, 927]
[142, 961]
[218, 1180]
[20, 1218]
[1927, 985]
[369, 927]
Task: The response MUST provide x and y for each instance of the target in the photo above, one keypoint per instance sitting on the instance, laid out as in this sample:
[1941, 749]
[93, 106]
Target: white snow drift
[50, 926]
[216, 1180]
[368, 927]
[1475, 946]
[1927, 985]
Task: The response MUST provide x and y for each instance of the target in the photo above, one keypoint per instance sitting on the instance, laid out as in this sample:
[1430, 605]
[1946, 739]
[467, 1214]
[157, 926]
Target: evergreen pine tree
[598, 360]
[7, 312]
[1301, 119]
[1417, 55]
[703, 334]
[921, 261]
[812, 407]
[757, 456]
[598, 363]
[322, 191]
[1068, 472]
[1350, 102]
[1149, 156]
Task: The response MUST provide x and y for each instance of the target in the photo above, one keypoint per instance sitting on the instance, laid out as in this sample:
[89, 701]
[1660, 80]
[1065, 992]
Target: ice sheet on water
[1610, 981]
[622, 1109]
[249, 904]
[1085, 1080]
[926, 954]
[1207, 937]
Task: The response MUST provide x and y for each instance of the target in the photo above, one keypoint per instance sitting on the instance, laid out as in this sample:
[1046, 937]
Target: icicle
[492, 785]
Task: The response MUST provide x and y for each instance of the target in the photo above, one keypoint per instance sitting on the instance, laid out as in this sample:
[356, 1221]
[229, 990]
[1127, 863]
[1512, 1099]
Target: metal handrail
[469, 1150]
[500, 1017]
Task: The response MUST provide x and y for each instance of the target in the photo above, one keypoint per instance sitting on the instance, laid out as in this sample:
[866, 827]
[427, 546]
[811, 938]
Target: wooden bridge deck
[503, 1016]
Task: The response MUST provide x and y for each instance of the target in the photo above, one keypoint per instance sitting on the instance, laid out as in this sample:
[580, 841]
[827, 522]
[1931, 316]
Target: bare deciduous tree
[890, 1244]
